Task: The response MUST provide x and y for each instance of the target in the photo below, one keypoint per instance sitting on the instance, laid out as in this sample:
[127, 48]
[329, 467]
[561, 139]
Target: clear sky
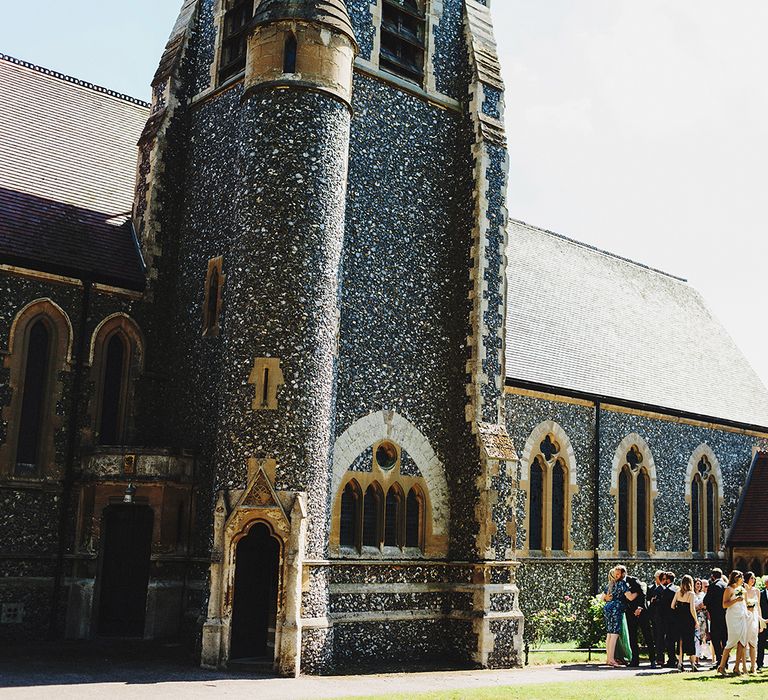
[639, 126]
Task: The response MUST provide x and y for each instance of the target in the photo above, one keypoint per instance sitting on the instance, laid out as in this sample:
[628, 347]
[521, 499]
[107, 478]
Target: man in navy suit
[763, 637]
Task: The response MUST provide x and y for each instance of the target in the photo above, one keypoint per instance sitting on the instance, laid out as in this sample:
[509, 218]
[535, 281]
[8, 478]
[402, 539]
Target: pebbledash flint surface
[320, 403]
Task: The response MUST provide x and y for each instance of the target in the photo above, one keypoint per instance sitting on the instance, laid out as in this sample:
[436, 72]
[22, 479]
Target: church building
[280, 377]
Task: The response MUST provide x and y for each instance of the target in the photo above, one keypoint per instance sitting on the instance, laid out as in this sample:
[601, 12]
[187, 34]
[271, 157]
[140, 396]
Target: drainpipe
[596, 502]
[69, 463]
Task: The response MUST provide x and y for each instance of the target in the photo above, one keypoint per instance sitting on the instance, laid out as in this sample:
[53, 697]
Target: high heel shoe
[721, 671]
[680, 667]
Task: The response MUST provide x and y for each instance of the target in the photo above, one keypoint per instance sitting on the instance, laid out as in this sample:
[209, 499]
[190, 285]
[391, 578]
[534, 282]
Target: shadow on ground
[103, 661]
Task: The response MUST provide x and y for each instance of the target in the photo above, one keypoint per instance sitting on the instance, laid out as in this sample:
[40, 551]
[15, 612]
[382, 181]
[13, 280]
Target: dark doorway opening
[254, 608]
[125, 570]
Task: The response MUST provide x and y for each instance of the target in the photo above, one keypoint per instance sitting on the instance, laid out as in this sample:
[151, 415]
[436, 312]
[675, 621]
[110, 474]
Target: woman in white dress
[736, 620]
[752, 600]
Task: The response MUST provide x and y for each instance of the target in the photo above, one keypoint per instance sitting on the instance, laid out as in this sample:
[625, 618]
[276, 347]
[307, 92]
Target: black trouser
[660, 639]
[670, 638]
[762, 642]
[642, 623]
[718, 631]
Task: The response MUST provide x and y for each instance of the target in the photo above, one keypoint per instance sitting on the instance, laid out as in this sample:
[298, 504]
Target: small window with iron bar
[403, 35]
[234, 37]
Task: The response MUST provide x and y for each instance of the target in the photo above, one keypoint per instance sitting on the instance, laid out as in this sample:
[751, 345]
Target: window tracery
[549, 495]
[634, 527]
[381, 509]
[705, 508]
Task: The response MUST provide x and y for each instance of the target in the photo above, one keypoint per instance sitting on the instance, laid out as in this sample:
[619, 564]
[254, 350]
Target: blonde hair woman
[613, 611]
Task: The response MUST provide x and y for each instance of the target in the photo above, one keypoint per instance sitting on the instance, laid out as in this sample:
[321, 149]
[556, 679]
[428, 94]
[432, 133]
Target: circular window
[386, 455]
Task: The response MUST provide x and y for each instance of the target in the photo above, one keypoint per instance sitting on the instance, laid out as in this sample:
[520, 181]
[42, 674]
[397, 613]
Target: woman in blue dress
[613, 611]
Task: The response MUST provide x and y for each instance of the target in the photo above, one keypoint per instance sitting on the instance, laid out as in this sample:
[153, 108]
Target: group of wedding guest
[700, 619]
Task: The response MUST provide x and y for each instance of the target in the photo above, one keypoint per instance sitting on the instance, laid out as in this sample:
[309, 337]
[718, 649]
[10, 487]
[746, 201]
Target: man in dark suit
[638, 619]
[762, 639]
[713, 601]
[653, 597]
[668, 618]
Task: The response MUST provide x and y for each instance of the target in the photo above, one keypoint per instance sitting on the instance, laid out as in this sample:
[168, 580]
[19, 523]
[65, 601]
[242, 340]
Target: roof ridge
[599, 250]
[74, 81]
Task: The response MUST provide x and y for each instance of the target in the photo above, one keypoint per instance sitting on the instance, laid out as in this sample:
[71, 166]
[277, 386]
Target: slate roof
[67, 172]
[750, 526]
[583, 320]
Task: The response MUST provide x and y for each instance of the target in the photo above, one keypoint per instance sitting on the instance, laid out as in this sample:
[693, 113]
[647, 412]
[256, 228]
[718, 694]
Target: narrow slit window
[265, 391]
[289, 54]
[113, 392]
[536, 509]
[403, 39]
[35, 393]
[349, 526]
[234, 38]
[624, 481]
[214, 279]
[392, 513]
[413, 519]
[372, 507]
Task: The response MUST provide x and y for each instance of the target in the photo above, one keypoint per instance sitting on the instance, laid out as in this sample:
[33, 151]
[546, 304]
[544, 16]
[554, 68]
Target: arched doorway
[254, 608]
[125, 569]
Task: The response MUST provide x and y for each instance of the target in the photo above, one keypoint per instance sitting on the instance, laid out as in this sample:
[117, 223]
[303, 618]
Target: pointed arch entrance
[256, 589]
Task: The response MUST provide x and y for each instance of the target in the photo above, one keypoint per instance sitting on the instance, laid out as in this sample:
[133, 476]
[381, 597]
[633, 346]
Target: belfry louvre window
[234, 37]
[403, 36]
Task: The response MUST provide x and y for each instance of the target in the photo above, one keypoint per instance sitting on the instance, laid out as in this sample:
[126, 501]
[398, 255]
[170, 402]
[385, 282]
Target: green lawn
[673, 686]
[556, 653]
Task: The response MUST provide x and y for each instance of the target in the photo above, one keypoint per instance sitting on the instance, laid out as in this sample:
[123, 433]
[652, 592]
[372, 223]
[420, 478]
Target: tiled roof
[750, 527]
[67, 173]
[584, 320]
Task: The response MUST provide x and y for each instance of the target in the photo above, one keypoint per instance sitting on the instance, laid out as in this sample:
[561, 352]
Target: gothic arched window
[35, 396]
[634, 531]
[413, 518]
[705, 508]
[625, 479]
[113, 390]
[393, 514]
[536, 510]
[550, 486]
[391, 521]
[559, 486]
[350, 525]
[373, 508]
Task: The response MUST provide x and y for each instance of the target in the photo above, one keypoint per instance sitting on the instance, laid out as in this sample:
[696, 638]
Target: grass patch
[673, 685]
[560, 653]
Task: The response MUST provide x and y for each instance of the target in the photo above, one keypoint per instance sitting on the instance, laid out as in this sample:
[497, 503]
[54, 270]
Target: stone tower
[274, 444]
